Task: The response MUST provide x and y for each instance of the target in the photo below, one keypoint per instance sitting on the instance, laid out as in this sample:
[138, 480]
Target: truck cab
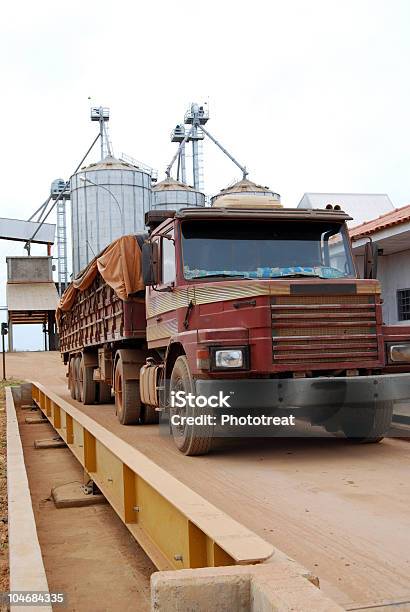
[264, 305]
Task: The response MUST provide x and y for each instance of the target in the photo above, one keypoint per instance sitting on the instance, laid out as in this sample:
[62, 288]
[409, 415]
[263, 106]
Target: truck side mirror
[370, 259]
[150, 264]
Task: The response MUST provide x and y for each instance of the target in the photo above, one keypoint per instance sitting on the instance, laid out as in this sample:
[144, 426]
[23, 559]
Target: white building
[391, 233]
[361, 206]
[376, 219]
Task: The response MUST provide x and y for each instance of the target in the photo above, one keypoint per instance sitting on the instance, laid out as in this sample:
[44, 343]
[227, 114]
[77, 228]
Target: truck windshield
[265, 249]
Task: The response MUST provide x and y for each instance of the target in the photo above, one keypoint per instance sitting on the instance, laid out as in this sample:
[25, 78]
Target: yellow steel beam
[175, 526]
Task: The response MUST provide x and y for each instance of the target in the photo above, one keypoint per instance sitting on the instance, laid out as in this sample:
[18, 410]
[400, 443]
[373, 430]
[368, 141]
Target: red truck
[253, 309]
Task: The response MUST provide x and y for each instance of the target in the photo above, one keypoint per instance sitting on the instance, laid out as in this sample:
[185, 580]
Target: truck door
[161, 313]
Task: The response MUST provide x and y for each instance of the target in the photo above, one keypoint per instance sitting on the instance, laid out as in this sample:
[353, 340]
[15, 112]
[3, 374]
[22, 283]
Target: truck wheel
[71, 377]
[149, 415]
[104, 393]
[189, 439]
[367, 424]
[87, 385]
[76, 369]
[127, 397]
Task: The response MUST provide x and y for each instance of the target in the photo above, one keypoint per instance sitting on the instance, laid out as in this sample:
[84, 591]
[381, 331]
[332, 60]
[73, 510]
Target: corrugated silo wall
[176, 199]
[102, 213]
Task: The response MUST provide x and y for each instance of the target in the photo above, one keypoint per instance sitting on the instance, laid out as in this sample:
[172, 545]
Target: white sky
[312, 95]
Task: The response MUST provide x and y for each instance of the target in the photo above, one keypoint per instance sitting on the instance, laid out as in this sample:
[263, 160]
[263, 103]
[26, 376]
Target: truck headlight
[232, 358]
[399, 353]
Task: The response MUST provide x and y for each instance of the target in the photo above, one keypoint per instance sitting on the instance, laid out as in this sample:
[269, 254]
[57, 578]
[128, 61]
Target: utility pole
[4, 331]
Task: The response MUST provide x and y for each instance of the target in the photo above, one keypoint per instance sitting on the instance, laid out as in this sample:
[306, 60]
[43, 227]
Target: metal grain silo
[245, 194]
[174, 195]
[108, 199]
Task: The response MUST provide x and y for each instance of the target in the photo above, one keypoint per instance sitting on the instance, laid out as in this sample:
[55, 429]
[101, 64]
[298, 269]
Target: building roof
[389, 219]
[362, 207]
[31, 297]
[17, 229]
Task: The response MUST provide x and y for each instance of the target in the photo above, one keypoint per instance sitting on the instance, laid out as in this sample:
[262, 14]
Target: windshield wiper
[297, 276]
[218, 276]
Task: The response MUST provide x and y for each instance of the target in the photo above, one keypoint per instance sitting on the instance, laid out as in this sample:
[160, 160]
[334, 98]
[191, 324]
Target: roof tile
[389, 219]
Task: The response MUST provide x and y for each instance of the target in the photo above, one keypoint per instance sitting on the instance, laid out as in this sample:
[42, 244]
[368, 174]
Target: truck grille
[317, 329]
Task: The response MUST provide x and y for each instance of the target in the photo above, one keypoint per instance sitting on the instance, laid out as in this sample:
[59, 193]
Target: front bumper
[306, 392]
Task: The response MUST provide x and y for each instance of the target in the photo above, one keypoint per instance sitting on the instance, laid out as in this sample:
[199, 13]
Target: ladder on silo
[62, 270]
[201, 181]
[106, 144]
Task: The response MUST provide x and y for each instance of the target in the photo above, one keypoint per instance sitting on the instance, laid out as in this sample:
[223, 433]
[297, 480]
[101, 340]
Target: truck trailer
[258, 303]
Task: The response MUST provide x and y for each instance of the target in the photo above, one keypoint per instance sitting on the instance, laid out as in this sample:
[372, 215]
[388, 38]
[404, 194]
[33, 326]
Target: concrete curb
[277, 586]
[27, 571]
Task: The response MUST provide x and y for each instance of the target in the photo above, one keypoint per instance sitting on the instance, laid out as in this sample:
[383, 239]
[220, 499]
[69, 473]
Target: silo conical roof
[110, 163]
[170, 184]
[170, 194]
[246, 193]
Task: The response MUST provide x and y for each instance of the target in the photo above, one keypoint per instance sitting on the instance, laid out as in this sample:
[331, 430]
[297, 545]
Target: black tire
[368, 423]
[104, 393]
[189, 439]
[149, 415]
[127, 397]
[88, 385]
[71, 377]
[77, 387]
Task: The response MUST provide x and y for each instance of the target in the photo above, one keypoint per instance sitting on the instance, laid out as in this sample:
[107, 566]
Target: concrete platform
[268, 587]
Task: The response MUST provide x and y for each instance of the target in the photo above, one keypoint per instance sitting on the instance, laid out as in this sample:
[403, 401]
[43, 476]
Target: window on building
[403, 304]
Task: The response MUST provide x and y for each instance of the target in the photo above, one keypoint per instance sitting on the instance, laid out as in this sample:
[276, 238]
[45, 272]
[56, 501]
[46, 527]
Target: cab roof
[263, 213]
[156, 218]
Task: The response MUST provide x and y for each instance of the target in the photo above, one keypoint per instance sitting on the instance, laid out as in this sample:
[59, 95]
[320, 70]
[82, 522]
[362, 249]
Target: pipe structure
[60, 195]
[182, 143]
[218, 144]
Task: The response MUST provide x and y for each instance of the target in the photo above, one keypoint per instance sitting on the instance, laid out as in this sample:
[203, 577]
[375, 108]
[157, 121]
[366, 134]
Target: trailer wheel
[189, 439]
[76, 370]
[149, 415]
[367, 424]
[71, 377]
[104, 393]
[87, 384]
[127, 397]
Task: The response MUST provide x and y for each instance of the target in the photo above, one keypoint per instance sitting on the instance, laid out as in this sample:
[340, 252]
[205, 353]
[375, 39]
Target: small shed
[32, 296]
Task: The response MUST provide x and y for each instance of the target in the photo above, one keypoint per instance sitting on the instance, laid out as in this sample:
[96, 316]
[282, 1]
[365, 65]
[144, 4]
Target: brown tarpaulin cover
[119, 265]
